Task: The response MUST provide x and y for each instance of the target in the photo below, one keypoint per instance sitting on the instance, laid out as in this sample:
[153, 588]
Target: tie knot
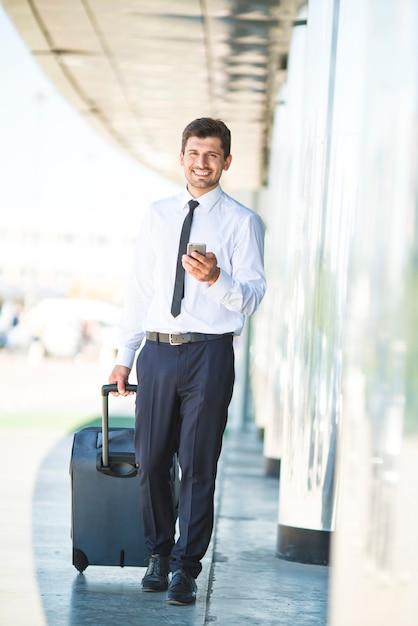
[192, 204]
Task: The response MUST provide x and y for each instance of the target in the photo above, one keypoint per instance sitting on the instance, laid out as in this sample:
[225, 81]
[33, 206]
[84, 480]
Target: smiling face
[203, 162]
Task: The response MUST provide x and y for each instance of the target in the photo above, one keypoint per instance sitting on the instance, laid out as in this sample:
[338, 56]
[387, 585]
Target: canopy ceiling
[140, 70]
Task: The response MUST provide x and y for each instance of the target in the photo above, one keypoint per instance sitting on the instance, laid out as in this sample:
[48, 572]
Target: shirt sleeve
[138, 296]
[243, 289]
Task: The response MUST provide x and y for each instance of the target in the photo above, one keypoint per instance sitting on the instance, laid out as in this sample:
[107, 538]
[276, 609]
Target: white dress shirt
[234, 233]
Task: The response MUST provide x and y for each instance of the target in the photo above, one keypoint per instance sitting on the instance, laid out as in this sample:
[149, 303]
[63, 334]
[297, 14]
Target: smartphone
[199, 247]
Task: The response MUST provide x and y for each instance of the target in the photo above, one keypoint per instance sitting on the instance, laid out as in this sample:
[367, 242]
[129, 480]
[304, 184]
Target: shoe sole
[178, 603]
[147, 589]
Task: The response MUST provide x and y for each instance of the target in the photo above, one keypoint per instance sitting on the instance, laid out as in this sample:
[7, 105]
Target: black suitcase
[106, 518]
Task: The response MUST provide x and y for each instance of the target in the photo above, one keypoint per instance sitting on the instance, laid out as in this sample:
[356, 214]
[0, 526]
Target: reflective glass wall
[340, 370]
[375, 549]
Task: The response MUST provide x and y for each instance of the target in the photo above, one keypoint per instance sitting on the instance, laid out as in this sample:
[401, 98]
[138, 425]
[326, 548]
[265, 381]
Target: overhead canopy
[140, 70]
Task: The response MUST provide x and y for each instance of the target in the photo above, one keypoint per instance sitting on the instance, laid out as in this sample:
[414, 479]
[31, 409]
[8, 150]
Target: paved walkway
[242, 582]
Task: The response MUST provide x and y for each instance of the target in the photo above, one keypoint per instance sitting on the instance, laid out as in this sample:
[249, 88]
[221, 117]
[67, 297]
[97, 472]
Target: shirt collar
[206, 201]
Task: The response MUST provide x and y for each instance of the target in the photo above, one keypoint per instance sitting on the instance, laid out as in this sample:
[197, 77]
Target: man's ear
[227, 163]
[181, 157]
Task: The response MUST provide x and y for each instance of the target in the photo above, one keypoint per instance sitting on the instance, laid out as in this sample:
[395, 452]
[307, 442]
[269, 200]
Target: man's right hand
[120, 376]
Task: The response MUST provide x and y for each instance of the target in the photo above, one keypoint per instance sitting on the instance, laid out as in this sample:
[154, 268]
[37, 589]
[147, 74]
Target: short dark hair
[208, 127]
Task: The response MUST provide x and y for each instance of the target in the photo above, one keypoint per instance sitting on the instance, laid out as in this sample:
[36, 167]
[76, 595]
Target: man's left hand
[202, 267]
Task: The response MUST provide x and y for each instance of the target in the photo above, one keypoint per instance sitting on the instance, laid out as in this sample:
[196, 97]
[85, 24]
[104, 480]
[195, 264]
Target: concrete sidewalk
[242, 582]
[249, 584]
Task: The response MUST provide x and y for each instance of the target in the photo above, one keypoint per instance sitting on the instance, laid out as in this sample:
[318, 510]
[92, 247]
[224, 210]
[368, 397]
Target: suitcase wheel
[80, 560]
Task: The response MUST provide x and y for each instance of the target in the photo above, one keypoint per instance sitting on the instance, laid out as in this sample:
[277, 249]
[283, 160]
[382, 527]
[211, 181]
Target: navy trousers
[181, 406]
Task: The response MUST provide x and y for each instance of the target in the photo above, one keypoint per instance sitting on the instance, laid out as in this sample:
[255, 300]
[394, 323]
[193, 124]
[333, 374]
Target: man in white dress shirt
[185, 368]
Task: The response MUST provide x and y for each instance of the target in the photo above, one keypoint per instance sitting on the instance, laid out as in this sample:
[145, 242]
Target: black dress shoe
[182, 589]
[156, 576]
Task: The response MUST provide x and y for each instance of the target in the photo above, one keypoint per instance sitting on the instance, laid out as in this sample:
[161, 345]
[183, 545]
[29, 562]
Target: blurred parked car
[65, 327]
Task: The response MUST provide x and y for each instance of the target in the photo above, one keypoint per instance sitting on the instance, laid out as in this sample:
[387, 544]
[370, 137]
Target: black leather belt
[179, 339]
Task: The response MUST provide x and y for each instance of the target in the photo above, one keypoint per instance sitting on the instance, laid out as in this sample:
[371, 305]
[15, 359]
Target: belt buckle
[171, 340]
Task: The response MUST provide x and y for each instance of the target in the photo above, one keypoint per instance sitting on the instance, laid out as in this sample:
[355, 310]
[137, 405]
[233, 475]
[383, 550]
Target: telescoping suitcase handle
[106, 389]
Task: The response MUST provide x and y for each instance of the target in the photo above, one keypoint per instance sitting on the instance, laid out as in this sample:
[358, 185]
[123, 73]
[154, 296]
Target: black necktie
[178, 292]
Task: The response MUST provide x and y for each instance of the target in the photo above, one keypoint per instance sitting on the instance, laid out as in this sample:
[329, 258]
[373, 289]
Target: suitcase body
[106, 509]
